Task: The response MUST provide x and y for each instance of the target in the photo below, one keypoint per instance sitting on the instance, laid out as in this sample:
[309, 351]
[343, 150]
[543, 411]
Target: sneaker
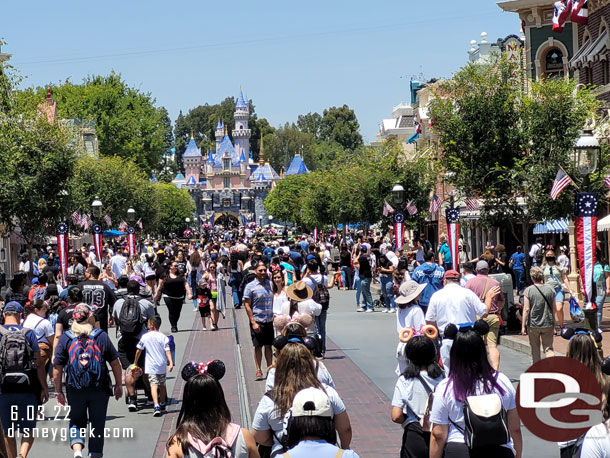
[195, 309]
[174, 329]
[359, 309]
[599, 330]
[393, 311]
[132, 404]
[386, 311]
[259, 374]
[162, 406]
[369, 310]
[204, 329]
[157, 412]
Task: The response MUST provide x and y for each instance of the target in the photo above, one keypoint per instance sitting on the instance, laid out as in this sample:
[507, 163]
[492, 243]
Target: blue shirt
[269, 253]
[446, 252]
[518, 260]
[261, 300]
[304, 245]
[431, 275]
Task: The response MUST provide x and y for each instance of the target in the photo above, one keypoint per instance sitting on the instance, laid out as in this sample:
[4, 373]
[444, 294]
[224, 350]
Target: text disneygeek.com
[66, 433]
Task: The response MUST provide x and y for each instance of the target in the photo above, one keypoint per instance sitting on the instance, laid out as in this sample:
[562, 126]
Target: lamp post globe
[586, 153]
[96, 205]
[398, 194]
[131, 215]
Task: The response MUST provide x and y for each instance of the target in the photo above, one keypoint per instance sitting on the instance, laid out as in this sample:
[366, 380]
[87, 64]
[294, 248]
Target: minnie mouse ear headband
[281, 321]
[310, 342]
[568, 333]
[214, 367]
[451, 330]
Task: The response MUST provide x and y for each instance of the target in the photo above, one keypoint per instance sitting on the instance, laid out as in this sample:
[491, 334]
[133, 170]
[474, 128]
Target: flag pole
[571, 180]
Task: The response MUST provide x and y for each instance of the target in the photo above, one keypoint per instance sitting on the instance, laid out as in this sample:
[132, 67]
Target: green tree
[284, 202]
[37, 160]
[119, 183]
[310, 123]
[284, 142]
[175, 205]
[127, 121]
[505, 145]
[340, 125]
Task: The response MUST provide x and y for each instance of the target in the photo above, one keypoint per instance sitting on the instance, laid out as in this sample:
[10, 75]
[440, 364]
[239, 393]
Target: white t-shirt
[278, 301]
[596, 443]
[445, 406]
[41, 327]
[411, 396]
[465, 279]
[266, 416]
[409, 317]
[323, 375]
[156, 344]
[318, 448]
[454, 304]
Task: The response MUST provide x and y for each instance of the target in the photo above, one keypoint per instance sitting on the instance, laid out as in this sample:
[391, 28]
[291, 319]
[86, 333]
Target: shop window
[553, 63]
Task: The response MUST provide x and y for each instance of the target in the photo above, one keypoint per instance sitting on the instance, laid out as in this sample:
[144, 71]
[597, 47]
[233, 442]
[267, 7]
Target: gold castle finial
[192, 135]
[261, 155]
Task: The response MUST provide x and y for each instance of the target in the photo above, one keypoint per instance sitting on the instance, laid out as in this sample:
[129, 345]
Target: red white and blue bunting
[585, 222]
[97, 241]
[62, 250]
[453, 229]
[399, 229]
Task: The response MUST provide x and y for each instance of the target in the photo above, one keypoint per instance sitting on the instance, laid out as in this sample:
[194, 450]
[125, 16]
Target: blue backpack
[85, 368]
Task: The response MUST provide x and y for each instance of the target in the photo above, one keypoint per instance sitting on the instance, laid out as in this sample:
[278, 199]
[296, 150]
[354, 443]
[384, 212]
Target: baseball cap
[138, 278]
[310, 256]
[13, 306]
[82, 312]
[454, 274]
[311, 402]
[482, 265]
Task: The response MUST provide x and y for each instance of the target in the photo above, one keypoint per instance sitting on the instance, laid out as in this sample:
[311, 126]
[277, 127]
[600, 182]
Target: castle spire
[226, 131]
[261, 156]
[192, 135]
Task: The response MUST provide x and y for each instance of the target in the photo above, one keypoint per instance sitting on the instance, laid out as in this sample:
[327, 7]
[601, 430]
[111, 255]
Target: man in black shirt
[363, 265]
[96, 292]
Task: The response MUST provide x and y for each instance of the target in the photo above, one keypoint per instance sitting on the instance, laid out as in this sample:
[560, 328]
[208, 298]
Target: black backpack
[16, 359]
[321, 294]
[130, 317]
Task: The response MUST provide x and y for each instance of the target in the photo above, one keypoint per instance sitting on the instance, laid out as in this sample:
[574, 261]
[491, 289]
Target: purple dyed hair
[469, 364]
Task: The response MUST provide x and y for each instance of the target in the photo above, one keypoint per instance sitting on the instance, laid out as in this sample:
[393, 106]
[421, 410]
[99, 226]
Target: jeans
[234, 283]
[519, 274]
[387, 288]
[599, 303]
[358, 287]
[88, 406]
[365, 284]
[174, 309]
[346, 276]
[321, 324]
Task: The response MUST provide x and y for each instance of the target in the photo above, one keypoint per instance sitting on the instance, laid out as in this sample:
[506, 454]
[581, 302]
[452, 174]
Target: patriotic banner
[562, 10]
[399, 229]
[62, 250]
[97, 241]
[453, 229]
[585, 222]
[315, 234]
[131, 241]
[580, 12]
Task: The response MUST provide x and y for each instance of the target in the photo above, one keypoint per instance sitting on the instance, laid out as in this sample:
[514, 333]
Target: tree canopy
[127, 121]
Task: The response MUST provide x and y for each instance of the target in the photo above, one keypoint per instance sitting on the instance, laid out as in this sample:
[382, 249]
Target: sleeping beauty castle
[228, 187]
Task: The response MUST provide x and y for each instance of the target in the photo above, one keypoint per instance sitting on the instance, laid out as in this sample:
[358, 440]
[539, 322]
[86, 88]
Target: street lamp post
[398, 197]
[585, 155]
[270, 218]
[96, 206]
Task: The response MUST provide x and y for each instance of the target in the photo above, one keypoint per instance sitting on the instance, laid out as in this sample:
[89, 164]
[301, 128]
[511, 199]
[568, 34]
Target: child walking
[204, 296]
[157, 354]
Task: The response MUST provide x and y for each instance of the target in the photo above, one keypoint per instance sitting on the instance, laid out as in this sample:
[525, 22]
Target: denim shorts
[20, 406]
[559, 295]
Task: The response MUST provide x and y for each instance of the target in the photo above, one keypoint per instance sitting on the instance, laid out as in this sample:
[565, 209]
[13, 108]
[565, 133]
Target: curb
[514, 343]
[242, 389]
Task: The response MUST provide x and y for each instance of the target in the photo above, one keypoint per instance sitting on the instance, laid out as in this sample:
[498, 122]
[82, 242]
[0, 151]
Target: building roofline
[513, 6]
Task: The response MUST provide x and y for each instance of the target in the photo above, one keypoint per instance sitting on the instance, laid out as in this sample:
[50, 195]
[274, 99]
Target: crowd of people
[448, 324]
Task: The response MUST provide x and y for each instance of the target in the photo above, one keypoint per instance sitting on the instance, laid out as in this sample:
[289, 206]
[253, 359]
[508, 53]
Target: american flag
[607, 181]
[76, 218]
[435, 204]
[411, 208]
[562, 181]
[108, 220]
[387, 209]
[123, 226]
[85, 221]
[472, 203]
[139, 224]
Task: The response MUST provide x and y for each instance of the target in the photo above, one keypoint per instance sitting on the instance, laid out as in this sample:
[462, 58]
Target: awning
[591, 51]
[603, 224]
[558, 226]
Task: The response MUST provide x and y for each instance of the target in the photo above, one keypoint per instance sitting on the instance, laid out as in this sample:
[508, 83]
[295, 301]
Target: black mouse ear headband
[479, 326]
[214, 367]
[281, 341]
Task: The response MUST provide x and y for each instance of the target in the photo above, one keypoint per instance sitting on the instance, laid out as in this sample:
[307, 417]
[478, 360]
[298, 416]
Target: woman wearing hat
[409, 315]
[300, 300]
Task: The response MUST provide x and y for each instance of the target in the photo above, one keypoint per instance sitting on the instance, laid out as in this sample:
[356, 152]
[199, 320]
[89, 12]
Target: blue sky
[289, 57]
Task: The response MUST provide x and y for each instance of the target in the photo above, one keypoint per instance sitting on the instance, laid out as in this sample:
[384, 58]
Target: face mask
[550, 258]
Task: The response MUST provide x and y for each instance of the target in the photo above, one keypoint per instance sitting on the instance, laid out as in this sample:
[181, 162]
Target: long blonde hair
[79, 329]
[295, 371]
